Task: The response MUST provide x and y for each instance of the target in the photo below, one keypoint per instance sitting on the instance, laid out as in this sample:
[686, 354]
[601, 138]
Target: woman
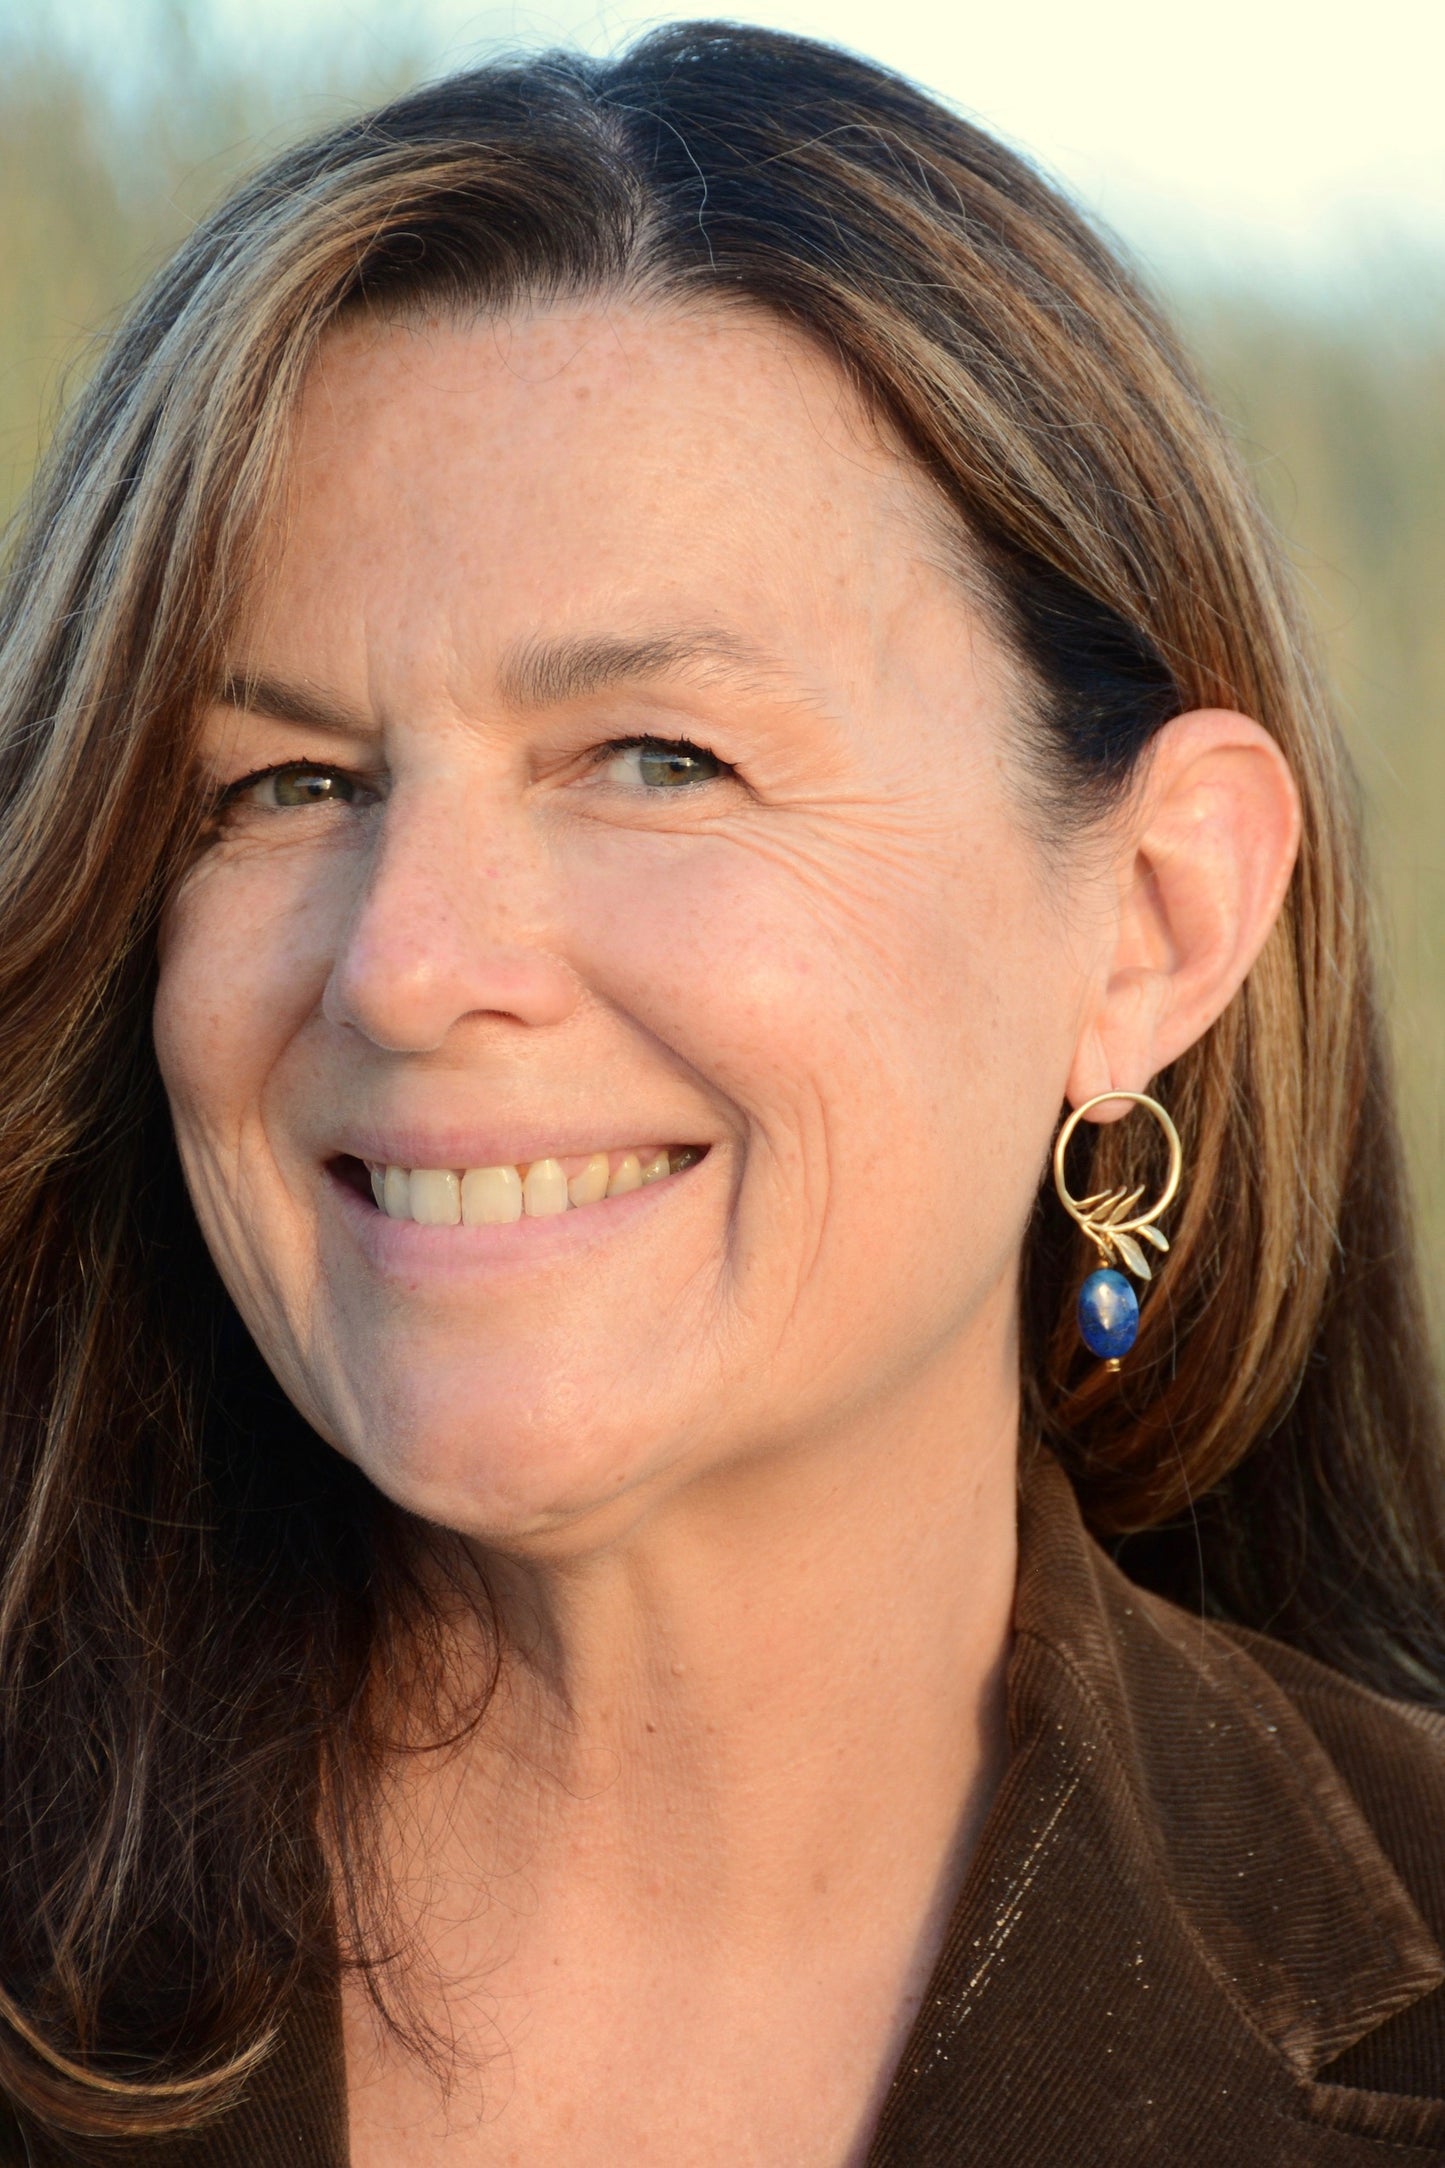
[628, 677]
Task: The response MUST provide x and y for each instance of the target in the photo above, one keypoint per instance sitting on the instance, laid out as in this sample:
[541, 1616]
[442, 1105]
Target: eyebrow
[545, 673]
[288, 702]
[538, 673]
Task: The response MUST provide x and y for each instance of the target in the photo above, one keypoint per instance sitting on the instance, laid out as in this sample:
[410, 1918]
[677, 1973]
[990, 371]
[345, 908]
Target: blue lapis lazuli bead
[1108, 1315]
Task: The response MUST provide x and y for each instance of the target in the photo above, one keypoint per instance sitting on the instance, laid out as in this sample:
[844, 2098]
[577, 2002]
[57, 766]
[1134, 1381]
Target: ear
[1205, 853]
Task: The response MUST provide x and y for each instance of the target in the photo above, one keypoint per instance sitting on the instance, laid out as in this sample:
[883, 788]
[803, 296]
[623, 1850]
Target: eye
[660, 764]
[297, 783]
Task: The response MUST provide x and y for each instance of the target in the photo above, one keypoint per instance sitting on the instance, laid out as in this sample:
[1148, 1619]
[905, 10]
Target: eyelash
[645, 741]
[233, 793]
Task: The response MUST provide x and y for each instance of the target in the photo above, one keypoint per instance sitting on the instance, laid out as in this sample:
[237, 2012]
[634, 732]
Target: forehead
[470, 482]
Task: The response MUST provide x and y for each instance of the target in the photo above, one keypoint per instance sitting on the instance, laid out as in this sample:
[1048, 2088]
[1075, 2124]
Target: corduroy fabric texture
[1200, 1929]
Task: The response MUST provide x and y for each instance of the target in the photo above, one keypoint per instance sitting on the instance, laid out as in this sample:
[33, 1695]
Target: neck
[791, 1673]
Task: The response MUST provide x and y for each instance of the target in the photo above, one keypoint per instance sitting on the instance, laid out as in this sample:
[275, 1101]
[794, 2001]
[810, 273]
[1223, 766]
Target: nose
[452, 922]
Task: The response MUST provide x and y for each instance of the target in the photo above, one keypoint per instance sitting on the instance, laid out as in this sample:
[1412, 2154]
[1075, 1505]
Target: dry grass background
[1338, 397]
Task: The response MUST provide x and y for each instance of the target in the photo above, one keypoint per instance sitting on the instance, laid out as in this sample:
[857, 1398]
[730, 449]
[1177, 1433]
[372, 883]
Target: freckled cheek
[689, 948]
[240, 971]
[922, 1025]
[772, 988]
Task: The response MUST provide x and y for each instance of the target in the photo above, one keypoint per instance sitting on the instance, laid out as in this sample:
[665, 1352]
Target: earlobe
[1206, 851]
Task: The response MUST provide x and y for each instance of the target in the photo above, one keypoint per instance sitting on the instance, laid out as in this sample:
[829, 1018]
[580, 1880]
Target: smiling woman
[632, 677]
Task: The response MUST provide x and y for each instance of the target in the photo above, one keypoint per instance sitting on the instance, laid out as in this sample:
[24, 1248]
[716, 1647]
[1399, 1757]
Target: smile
[536, 1189]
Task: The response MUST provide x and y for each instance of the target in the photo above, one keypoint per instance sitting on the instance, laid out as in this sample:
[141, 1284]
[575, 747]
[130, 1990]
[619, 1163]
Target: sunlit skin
[737, 1451]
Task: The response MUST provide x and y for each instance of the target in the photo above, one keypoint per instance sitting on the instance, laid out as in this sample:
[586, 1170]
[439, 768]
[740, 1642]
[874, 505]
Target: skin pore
[611, 761]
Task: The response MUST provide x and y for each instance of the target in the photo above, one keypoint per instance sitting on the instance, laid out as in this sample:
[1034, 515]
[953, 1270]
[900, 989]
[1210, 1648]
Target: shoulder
[1217, 1726]
[1389, 1754]
[1220, 1873]
[1389, 1758]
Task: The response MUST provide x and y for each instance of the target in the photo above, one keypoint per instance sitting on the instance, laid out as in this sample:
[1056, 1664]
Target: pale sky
[1272, 128]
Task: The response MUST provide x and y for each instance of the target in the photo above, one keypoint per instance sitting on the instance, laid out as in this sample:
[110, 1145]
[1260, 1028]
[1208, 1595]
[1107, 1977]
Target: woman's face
[632, 777]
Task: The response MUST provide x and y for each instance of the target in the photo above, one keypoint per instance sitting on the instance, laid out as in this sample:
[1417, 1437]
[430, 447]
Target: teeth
[627, 1176]
[436, 1197]
[544, 1193]
[491, 1196]
[495, 1196]
[590, 1186]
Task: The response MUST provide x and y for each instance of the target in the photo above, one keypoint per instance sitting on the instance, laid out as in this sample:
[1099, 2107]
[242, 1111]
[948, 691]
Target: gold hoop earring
[1108, 1305]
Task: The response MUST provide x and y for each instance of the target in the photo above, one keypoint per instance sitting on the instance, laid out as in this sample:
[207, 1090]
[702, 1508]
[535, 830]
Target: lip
[402, 1250]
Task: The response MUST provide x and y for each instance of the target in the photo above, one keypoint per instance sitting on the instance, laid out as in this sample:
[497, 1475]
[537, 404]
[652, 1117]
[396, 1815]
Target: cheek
[894, 1017]
[243, 962]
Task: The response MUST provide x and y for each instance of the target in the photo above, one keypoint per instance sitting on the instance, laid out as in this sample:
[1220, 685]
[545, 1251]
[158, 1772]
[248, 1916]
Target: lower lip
[405, 1250]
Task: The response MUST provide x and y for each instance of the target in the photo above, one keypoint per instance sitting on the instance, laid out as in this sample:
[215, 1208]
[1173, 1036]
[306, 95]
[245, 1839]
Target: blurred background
[1277, 167]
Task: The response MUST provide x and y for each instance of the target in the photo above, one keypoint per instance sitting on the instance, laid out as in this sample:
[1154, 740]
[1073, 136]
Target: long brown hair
[193, 1591]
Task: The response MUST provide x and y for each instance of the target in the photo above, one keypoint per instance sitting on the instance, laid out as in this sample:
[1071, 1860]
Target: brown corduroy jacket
[1201, 1929]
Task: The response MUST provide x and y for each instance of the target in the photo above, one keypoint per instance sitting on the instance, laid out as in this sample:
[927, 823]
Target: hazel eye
[297, 783]
[662, 764]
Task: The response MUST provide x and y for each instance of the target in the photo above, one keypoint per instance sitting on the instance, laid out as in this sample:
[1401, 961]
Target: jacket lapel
[1176, 1914]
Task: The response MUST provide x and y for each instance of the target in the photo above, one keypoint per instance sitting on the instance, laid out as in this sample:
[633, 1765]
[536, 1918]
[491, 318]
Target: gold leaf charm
[1131, 1254]
[1111, 1219]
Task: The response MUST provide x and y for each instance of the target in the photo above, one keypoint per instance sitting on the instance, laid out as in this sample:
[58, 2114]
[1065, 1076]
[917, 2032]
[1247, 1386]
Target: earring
[1108, 1305]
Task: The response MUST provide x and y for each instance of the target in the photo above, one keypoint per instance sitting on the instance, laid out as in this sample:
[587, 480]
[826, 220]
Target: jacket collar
[1175, 1916]
[1175, 1894]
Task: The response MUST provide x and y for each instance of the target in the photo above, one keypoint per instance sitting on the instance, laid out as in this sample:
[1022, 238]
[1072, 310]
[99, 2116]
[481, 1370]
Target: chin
[498, 1467]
